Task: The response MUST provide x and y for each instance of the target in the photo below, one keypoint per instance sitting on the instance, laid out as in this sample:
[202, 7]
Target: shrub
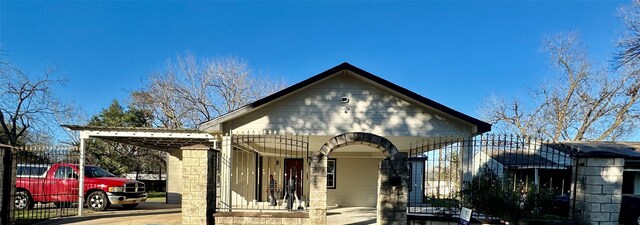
[504, 198]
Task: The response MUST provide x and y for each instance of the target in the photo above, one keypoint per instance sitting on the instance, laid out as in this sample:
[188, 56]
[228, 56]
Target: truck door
[63, 186]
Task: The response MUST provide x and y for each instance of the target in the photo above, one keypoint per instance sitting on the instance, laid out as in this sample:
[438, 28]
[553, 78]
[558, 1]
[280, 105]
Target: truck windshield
[93, 171]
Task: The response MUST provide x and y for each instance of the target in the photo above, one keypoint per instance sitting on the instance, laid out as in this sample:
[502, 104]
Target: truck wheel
[637, 219]
[97, 201]
[23, 200]
[129, 206]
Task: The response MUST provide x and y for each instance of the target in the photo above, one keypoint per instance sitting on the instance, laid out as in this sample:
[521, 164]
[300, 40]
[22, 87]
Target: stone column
[318, 190]
[599, 190]
[194, 184]
[393, 191]
[174, 177]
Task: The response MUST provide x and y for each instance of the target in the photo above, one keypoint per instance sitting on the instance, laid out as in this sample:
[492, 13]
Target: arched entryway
[393, 178]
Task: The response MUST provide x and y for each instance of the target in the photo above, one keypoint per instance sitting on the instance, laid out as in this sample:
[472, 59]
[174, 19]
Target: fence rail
[498, 176]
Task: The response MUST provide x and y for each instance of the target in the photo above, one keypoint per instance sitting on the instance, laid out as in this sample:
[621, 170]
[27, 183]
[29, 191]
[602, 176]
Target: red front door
[294, 167]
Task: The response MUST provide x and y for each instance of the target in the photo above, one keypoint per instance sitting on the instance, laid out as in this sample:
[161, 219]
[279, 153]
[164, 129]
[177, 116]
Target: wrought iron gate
[497, 175]
[268, 171]
[41, 193]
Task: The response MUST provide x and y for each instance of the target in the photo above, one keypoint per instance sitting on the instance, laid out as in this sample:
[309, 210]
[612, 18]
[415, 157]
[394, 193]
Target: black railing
[42, 194]
[267, 171]
[498, 176]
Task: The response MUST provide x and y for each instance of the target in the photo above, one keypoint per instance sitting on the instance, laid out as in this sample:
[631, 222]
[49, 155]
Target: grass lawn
[156, 197]
[156, 194]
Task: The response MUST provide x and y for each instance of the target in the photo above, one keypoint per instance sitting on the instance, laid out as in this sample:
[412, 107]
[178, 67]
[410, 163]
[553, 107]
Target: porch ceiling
[152, 138]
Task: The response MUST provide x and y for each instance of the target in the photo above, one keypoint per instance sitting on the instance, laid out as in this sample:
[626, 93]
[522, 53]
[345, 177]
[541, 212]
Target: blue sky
[456, 53]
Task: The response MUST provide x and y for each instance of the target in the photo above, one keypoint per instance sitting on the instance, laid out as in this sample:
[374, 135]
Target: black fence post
[7, 186]
[212, 171]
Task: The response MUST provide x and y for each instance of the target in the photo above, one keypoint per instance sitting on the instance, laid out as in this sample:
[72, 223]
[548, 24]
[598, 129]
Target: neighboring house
[629, 151]
[528, 162]
[608, 180]
[605, 175]
[550, 164]
[145, 176]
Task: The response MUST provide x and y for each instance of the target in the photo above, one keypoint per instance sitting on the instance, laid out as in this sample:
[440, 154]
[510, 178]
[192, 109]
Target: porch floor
[351, 215]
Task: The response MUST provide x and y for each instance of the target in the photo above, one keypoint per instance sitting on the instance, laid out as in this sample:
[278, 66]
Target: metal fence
[267, 171]
[40, 192]
[6, 184]
[213, 169]
[498, 176]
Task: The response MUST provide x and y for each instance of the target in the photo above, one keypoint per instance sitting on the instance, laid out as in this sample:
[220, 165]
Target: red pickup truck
[58, 183]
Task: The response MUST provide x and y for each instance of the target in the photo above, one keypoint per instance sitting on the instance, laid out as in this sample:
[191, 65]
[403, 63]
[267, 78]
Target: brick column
[599, 190]
[393, 190]
[194, 184]
[318, 190]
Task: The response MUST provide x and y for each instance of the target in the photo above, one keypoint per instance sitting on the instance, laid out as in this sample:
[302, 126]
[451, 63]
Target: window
[93, 171]
[331, 173]
[631, 182]
[64, 172]
[32, 170]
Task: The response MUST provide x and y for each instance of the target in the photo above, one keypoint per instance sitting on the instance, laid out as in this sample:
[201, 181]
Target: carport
[189, 161]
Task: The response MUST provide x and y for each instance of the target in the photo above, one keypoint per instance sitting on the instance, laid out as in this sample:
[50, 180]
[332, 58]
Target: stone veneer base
[262, 218]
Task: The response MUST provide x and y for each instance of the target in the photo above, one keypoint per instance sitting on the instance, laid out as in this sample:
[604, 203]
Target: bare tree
[629, 45]
[71, 114]
[577, 102]
[193, 91]
[26, 104]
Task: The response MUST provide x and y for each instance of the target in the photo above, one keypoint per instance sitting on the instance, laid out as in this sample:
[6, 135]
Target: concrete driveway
[351, 215]
[146, 213]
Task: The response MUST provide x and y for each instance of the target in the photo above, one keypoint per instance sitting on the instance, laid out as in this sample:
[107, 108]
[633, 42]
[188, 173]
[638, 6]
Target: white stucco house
[343, 135]
[341, 100]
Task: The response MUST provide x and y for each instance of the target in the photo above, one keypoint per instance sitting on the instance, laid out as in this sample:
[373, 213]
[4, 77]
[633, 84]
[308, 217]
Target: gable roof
[481, 125]
[523, 160]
